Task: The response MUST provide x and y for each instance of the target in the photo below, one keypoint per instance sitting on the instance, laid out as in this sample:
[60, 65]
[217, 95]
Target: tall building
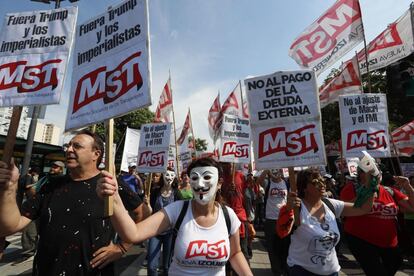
[47, 133]
[5, 116]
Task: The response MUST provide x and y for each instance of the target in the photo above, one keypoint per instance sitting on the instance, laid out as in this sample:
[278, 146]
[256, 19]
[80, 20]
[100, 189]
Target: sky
[208, 46]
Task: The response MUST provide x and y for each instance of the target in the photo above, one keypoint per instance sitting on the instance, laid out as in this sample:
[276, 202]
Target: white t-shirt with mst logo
[200, 250]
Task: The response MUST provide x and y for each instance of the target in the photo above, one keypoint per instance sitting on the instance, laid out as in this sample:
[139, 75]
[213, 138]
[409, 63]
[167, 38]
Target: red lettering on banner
[388, 38]
[29, 78]
[202, 248]
[150, 159]
[292, 143]
[371, 141]
[322, 39]
[231, 148]
[108, 85]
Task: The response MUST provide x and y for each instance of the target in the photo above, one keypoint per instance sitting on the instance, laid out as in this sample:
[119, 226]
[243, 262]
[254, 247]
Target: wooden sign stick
[109, 163]
[11, 134]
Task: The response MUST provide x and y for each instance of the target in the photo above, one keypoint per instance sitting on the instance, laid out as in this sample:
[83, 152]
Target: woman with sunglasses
[312, 248]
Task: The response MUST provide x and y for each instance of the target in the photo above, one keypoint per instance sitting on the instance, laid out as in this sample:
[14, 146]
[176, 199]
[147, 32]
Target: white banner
[364, 125]
[330, 37]
[394, 43]
[111, 74]
[34, 52]
[130, 154]
[286, 96]
[285, 120]
[153, 147]
[235, 139]
[346, 82]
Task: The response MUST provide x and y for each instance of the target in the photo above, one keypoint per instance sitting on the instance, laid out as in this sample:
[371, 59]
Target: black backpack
[181, 217]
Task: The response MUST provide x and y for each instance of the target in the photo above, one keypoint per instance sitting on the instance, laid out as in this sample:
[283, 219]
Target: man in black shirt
[74, 236]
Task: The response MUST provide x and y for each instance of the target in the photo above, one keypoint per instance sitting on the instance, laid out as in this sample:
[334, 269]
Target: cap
[132, 164]
[59, 164]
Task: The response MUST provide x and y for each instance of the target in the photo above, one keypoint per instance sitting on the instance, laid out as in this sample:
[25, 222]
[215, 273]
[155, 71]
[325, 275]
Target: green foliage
[201, 144]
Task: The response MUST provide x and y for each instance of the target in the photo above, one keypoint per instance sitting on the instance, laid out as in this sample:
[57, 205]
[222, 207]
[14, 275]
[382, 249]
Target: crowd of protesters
[61, 217]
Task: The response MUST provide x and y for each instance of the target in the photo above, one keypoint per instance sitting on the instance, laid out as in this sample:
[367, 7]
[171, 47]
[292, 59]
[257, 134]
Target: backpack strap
[178, 224]
[329, 204]
[226, 217]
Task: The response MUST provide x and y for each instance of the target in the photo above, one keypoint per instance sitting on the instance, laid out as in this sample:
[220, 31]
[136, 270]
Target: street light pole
[32, 128]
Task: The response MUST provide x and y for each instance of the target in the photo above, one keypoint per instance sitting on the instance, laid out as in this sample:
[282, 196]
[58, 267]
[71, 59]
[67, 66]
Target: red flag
[346, 82]
[213, 118]
[165, 105]
[330, 37]
[233, 104]
[186, 129]
[403, 138]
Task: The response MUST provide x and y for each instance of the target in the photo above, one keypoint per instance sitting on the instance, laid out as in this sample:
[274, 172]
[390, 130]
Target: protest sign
[364, 125]
[111, 74]
[235, 139]
[285, 120]
[153, 147]
[34, 52]
[352, 164]
[130, 154]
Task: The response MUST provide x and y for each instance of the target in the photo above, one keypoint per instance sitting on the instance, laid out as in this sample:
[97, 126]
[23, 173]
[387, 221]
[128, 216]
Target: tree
[201, 144]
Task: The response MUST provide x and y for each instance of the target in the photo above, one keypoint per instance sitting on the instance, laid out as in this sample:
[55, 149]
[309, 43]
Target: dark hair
[304, 177]
[97, 143]
[208, 162]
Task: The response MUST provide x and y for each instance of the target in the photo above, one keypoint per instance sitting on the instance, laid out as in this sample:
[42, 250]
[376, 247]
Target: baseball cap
[132, 164]
[59, 164]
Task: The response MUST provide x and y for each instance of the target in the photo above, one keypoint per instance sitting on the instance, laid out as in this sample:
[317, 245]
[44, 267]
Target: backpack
[181, 217]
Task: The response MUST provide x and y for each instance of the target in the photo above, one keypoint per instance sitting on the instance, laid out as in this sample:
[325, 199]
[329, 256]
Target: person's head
[367, 170]
[169, 177]
[84, 150]
[132, 168]
[205, 179]
[185, 179]
[310, 183]
[276, 175]
[156, 178]
[57, 168]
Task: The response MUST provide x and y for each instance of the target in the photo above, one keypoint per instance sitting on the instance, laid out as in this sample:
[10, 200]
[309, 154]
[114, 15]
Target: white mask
[203, 181]
[169, 178]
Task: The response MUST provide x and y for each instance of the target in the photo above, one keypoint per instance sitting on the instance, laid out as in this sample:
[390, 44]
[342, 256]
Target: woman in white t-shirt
[312, 247]
[203, 244]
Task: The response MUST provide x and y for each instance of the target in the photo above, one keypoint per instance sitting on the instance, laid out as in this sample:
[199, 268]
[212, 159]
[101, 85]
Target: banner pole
[396, 154]
[109, 163]
[359, 71]
[366, 53]
[11, 134]
[192, 131]
[175, 130]
[148, 184]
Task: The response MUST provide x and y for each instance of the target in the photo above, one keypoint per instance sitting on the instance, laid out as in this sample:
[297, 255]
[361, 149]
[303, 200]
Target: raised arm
[262, 177]
[350, 210]
[407, 205]
[121, 220]
[11, 221]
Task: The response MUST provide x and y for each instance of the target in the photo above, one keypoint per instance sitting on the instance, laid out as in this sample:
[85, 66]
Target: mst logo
[150, 159]
[202, 248]
[371, 141]
[292, 143]
[29, 78]
[322, 38]
[108, 85]
[239, 151]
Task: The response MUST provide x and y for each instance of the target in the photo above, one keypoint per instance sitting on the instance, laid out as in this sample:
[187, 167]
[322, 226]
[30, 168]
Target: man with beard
[75, 237]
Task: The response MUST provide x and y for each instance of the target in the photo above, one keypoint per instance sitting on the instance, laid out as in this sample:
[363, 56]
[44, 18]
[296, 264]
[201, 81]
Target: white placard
[285, 120]
[352, 164]
[111, 71]
[281, 97]
[153, 147]
[235, 139]
[364, 125]
[130, 154]
[34, 52]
